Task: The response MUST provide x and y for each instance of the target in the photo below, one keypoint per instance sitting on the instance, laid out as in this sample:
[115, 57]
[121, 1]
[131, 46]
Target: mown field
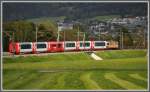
[121, 70]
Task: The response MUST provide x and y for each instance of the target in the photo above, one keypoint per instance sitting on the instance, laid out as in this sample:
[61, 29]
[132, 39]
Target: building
[97, 27]
[63, 26]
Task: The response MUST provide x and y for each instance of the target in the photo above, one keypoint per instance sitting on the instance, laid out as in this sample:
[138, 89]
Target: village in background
[130, 31]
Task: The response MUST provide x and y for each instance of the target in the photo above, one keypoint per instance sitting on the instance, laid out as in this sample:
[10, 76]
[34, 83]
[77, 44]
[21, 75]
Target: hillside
[73, 11]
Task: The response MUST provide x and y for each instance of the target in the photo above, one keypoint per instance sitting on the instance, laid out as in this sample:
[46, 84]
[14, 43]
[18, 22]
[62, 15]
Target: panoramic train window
[70, 44]
[87, 44]
[59, 45]
[53, 45]
[25, 46]
[99, 43]
[41, 45]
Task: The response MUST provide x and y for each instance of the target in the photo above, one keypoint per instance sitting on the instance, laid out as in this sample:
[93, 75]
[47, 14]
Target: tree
[23, 30]
[47, 30]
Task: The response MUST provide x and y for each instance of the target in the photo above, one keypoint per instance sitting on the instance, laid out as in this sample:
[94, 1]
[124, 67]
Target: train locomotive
[61, 46]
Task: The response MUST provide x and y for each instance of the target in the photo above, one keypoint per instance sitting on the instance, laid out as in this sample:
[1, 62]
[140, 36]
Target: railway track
[7, 54]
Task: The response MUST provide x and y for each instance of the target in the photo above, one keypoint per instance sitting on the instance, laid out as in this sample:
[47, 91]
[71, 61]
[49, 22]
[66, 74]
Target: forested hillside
[73, 11]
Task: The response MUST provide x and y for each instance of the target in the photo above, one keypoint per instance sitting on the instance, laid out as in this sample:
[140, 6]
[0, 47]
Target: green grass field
[121, 70]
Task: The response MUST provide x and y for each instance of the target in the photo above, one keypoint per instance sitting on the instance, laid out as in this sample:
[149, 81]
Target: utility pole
[36, 31]
[64, 36]
[64, 40]
[84, 40]
[144, 39]
[13, 43]
[99, 34]
[78, 33]
[58, 36]
[122, 40]
[59, 29]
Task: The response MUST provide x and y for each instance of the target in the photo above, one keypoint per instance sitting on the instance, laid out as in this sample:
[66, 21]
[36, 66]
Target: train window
[41, 45]
[107, 43]
[70, 44]
[99, 43]
[53, 45]
[81, 44]
[87, 44]
[59, 45]
[25, 46]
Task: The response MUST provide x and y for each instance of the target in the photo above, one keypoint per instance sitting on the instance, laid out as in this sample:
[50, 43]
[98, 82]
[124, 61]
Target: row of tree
[25, 31]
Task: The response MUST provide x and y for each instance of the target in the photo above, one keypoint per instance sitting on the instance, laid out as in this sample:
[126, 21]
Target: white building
[64, 26]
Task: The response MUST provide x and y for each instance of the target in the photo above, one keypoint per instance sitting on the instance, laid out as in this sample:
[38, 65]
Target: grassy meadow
[119, 69]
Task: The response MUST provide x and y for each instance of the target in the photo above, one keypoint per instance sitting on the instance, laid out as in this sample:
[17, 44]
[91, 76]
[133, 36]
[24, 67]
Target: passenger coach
[61, 46]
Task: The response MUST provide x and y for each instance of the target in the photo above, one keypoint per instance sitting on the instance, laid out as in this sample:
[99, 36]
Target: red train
[61, 46]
